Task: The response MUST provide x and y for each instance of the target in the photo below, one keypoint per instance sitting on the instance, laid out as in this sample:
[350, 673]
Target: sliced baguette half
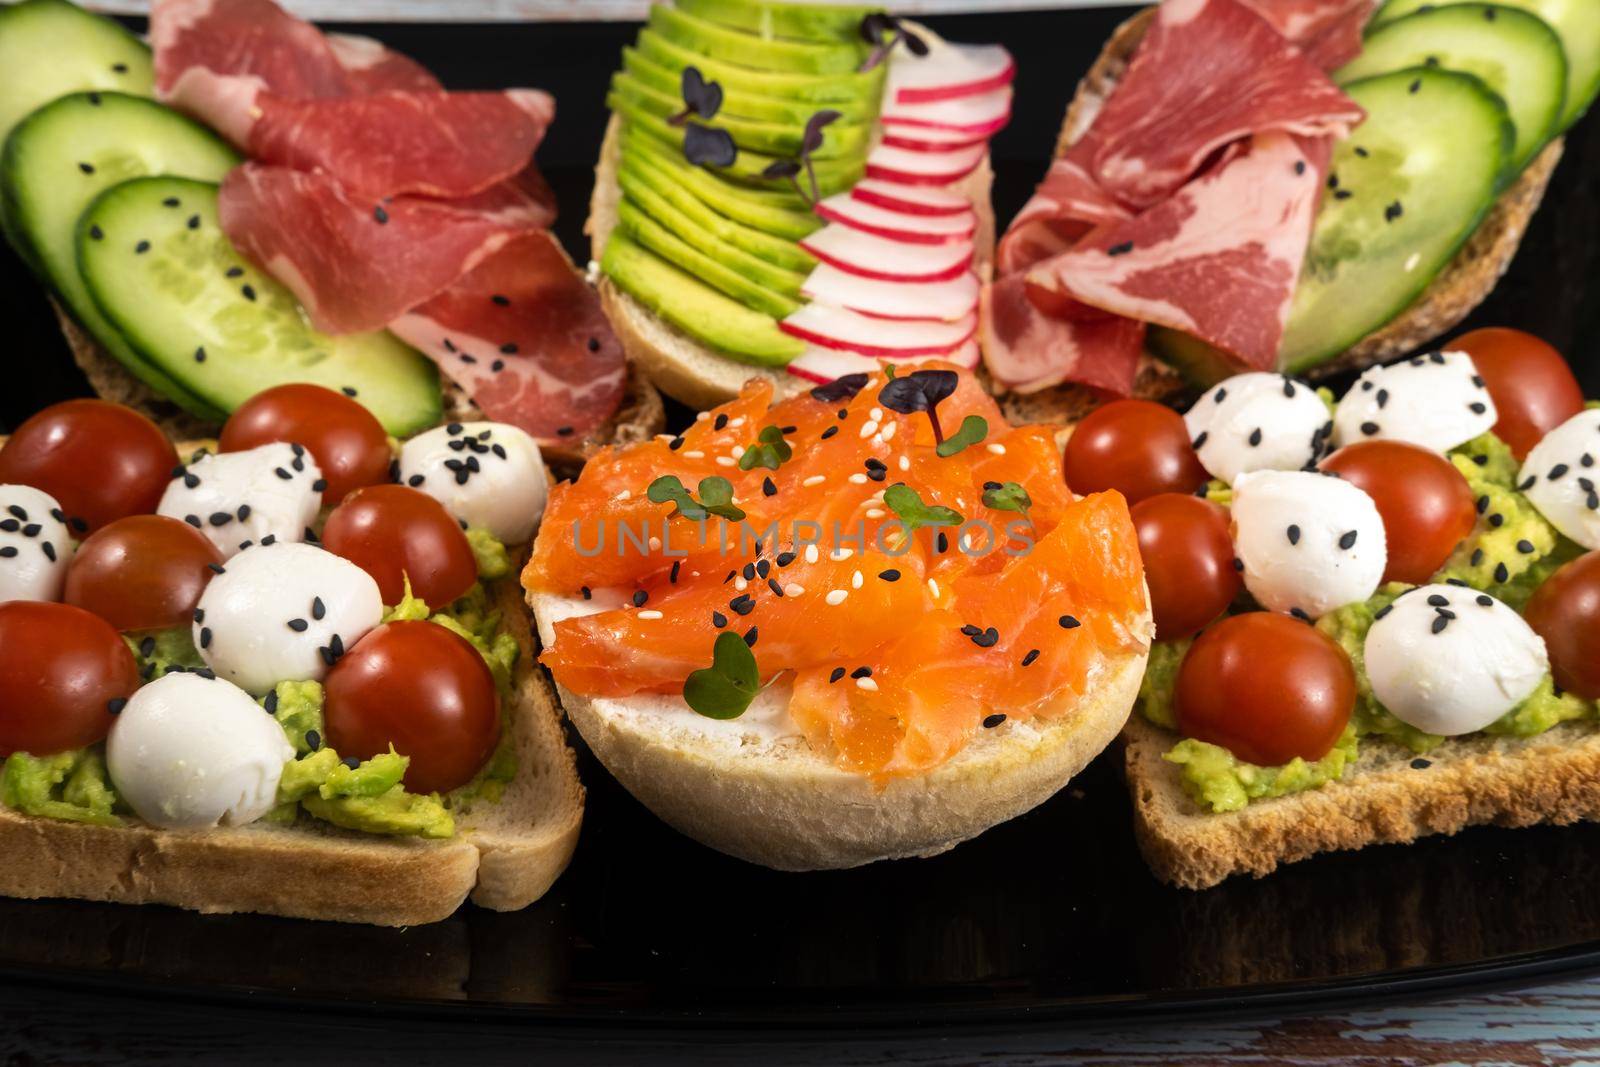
[505, 855]
[775, 801]
[1389, 795]
[1463, 284]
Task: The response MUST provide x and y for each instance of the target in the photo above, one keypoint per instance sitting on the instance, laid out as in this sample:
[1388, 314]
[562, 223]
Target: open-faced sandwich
[1246, 185]
[869, 621]
[288, 673]
[1376, 618]
[793, 191]
[294, 206]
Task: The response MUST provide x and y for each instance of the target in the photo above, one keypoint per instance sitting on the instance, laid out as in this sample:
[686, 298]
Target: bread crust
[505, 855]
[1460, 287]
[1389, 795]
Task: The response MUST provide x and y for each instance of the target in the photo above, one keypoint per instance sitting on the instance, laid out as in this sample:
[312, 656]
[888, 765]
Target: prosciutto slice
[370, 67]
[523, 335]
[1027, 349]
[1327, 31]
[1218, 260]
[1208, 73]
[1067, 205]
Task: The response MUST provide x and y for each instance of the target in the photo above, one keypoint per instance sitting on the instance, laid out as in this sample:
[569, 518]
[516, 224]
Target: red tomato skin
[423, 689]
[1565, 611]
[1188, 561]
[347, 441]
[1533, 388]
[60, 667]
[142, 572]
[1426, 505]
[392, 531]
[1136, 447]
[101, 461]
[1267, 687]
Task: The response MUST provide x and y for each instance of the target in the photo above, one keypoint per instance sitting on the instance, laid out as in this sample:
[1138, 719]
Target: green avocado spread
[68, 785]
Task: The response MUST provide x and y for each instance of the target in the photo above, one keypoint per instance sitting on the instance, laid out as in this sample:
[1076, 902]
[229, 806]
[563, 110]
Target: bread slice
[1389, 795]
[764, 795]
[504, 856]
[1463, 284]
[676, 363]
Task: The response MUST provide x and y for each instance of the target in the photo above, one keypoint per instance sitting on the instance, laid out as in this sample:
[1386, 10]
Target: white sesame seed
[858, 479]
[794, 589]
[876, 414]
[650, 614]
[888, 431]
[815, 479]
[655, 544]
[836, 597]
[856, 579]
[933, 587]
[868, 428]
[694, 455]
[736, 423]
[665, 437]
[841, 553]
[625, 494]
[738, 451]
[867, 683]
[702, 416]
[997, 449]
[905, 463]
[811, 553]
[876, 513]
[877, 439]
[726, 461]
[740, 584]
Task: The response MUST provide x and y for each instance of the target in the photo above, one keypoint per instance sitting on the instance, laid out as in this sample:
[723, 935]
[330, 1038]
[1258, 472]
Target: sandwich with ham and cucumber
[286, 671]
[794, 192]
[1248, 186]
[249, 201]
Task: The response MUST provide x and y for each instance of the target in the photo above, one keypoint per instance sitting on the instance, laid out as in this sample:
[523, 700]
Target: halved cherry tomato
[1425, 503]
[1136, 447]
[1565, 611]
[345, 438]
[63, 674]
[392, 532]
[1533, 388]
[421, 688]
[1188, 561]
[1267, 688]
[100, 460]
[144, 572]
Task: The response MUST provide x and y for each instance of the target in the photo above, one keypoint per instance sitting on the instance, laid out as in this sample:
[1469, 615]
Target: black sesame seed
[49, 550]
[640, 597]
[31, 530]
[8, 552]
[1527, 483]
[220, 518]
[1299, 166]
[1342, 194]
[1485, 601]
[1420, 764]
[861, 672]
[194, 222]
[1483, 504]
[141, 248]
[499, 365]
[380, 215]
[351, 762]
[1393, 211]
[1294, 534]
[234, 272]
[1383, 398]
[1255, 437]
[243, 512]
[768, 487]
[1502, 573]
[772, 583]
[1558, 471]
[1348, 540]
[942, 543]
[205, 637]
[502, 301]
[675, 444]
[718, 619]
[508, 349]
[890, 575]
[1415, 86]
[248, 291]
[785, 558]
[829, 432]
[990, 722]
[835, 675]
[1525, 547]
[1478, 407]
[594, 344]
[1497, 520]
[1033, 654]
[1381, 612]
[749, 571]
[115, 705]
[280, 472]
[1200, 441]
[1238, 564]
[1477, 556]
[299, 626]
[1120, 249]
[743, 604]
[1437, 600]
[988, 639]
[1067, 622]
[750, 636]
[147, 647]
[1369, 428]
[87, 168]
[96, 233]
[1439, 623]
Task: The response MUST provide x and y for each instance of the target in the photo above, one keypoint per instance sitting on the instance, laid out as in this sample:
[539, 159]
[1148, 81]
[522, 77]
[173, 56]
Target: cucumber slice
[63, 155]
[1421, 172]
[1576, 21]
[159, 267]
[1516, 54]
[49, 48]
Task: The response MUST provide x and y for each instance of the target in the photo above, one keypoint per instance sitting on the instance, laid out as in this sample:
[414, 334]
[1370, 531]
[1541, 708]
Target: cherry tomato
[62, 671]
[391, 532]
[1426, 505]
[1188, 561]
[1532, 386]
[1565, 611]
[144, 572]
[345, 438]
[100, 460]
[1136, 447]
[1266, 687]
[421, 688]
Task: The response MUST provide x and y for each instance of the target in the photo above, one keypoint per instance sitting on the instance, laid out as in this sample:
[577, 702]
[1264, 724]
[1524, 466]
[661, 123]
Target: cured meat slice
[1218, 260]
[524, 335]
[1067, 205]
[1327, 31]
[1028, 350]
[1208, 73]
[354, 263]
[197, 41]
[371, 68]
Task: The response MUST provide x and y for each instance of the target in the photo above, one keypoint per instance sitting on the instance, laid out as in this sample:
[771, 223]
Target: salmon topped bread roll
[866, 622]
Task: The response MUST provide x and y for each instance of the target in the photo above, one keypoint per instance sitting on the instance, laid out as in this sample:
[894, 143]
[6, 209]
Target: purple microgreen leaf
[708, 147]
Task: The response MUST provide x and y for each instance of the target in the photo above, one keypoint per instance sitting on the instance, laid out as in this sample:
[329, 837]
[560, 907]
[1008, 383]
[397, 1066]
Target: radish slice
[923, 168]
[947, 301]
[928, 139]
[860, 253]
[910, 199]
[836, 327]
[897, 225]
[947, 72]
[979, 115]
[821, 365]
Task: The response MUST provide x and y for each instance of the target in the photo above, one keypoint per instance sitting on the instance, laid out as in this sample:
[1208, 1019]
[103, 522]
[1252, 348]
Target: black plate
[1049, 918]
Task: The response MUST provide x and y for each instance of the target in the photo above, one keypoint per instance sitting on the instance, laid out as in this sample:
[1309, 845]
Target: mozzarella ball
[238, 498]
[1309, 543]
[35, 544]
[189, 752]
[1562, 479]
[283, 612]
[1450, 660]
[1255, 422]
[486, 474]
[1436, 402]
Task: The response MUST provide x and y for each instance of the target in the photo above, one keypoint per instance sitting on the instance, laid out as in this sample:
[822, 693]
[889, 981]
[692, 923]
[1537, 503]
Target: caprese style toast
[248, 202]
[1359, 186]
[287, 671]
[865, 622]
[794, 192]
[1377, 618]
